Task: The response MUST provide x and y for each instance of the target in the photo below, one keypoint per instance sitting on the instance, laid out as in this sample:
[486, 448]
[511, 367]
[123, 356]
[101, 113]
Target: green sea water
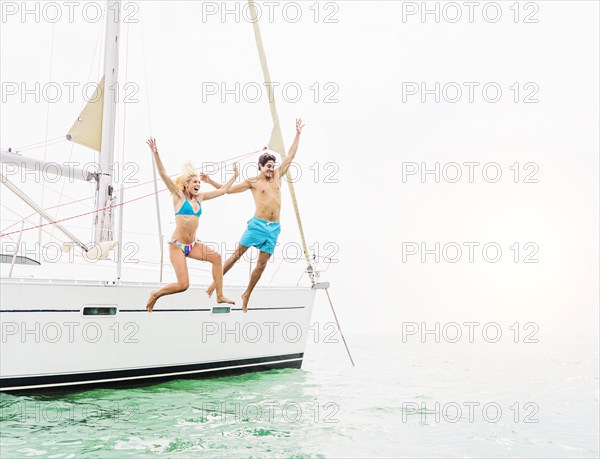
[250, 415]
[401, 400]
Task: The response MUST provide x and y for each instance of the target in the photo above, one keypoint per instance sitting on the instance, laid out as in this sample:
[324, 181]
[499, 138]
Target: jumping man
[264, 228]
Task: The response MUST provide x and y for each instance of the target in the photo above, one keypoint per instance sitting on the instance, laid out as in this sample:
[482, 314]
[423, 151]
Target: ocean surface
[408, 399]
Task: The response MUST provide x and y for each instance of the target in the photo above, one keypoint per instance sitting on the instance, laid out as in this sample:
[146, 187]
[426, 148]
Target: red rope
[82, 215]
[108, 207]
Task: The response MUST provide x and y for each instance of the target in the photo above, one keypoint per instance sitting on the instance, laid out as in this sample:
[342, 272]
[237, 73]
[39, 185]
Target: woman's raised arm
[161, 168]
[223, 189]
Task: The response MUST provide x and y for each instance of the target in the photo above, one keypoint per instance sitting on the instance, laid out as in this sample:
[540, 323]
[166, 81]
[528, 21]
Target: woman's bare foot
[151, 302]
[210, 290]
[246, 299]
[223, 299]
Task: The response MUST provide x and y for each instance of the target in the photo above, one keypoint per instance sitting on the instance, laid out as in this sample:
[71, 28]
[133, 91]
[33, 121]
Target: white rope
[122, 156]
[82, 106]
[46, 135]
[146, 76]
[41, 144]
[26, 220]
[156, 202]
[61, 138]
[118, 190]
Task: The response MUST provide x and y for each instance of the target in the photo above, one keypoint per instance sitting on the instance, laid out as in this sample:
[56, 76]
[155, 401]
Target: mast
[103, 220]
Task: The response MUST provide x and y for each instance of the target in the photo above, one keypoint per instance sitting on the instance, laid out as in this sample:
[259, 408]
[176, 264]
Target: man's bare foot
[151, 302]
[246, 299]
[223, 299]
[210, 290]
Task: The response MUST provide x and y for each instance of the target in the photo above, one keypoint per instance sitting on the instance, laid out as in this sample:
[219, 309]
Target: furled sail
[87, 129]
[276, 141]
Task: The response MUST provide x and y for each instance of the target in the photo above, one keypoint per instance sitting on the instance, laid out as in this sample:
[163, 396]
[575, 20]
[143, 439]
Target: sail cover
[87, 129]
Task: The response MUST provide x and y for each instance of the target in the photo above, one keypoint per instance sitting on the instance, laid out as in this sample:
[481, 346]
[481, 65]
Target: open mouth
[196, 189]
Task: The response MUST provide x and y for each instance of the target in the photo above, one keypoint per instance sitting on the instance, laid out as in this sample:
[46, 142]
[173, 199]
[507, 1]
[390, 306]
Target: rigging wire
[84, 214]
[47, 125]
[149, 112]
[82, 106]
[96, 210]
[76, 201]
[122, 157]
[339, 327]
[41, 144]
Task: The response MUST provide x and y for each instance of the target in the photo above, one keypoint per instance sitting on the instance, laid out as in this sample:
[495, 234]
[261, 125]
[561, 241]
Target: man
[264, 228]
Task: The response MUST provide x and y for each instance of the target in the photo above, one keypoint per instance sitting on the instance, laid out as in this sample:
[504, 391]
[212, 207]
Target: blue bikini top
[186, 209]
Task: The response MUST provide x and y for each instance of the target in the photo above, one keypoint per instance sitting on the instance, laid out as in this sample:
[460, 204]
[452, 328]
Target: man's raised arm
[285, 164]
[240, 187]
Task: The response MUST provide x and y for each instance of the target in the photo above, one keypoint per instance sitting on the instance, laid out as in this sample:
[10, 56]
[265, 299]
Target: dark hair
[265, 158]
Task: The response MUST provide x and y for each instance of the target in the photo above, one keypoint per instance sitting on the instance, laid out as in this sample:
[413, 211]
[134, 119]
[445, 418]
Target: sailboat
[69, 333]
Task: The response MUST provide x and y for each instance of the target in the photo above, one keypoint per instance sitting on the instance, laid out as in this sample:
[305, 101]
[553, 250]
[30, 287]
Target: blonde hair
[189, 172]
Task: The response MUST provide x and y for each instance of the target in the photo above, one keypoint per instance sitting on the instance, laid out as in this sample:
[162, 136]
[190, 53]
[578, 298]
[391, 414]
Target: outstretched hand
[235, 170]
[152, 144]
[204, 177]
[299, 126]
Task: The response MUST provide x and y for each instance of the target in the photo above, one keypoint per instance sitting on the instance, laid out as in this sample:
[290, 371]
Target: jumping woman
[187, 201]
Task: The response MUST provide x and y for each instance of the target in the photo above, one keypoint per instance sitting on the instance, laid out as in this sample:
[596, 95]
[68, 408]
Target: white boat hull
[47, 340]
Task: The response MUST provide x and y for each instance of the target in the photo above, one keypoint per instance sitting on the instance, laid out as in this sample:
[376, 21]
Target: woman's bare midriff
[185, 230]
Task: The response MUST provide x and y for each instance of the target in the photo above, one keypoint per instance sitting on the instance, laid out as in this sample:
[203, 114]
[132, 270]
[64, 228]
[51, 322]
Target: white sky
[369, 133]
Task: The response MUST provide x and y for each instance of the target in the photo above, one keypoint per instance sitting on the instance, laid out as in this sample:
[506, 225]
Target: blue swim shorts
[261, 234]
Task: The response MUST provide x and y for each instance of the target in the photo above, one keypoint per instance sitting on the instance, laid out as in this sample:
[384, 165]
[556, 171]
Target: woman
[187, 201]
